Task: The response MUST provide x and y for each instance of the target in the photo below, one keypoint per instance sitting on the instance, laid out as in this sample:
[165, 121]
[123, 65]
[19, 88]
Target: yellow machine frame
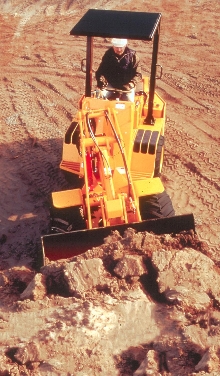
[115, 148]
[125, 152]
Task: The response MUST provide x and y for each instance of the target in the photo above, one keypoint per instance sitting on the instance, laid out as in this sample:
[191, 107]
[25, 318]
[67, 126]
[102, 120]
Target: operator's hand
[128, 86]
[102, 83]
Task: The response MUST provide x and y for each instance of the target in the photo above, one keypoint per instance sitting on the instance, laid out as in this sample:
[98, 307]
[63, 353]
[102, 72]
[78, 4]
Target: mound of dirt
[139, 304]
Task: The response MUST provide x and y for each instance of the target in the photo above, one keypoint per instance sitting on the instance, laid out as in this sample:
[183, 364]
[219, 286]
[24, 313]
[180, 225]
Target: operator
[119, 69]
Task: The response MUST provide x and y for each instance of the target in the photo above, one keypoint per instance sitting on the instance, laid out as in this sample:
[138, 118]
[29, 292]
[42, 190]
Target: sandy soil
[41, 83]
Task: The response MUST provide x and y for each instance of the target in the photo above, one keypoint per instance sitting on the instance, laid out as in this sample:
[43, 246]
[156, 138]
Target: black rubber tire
[159, 157]
[67, 219]
[156, 206]
[73, 180]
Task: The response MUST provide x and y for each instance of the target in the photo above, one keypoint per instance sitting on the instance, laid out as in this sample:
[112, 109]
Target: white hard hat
[119, 42]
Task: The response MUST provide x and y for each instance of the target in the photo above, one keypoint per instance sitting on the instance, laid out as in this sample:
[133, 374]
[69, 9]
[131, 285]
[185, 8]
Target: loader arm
[114, 206]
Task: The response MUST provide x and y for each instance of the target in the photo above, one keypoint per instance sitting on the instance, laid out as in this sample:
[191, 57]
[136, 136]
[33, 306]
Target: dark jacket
[119, 70]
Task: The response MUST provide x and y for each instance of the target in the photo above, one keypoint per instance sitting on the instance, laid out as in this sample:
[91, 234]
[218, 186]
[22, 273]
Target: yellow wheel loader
[115, 150]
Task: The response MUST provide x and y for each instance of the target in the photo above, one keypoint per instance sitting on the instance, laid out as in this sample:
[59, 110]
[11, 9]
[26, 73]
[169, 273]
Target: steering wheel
[115, 93]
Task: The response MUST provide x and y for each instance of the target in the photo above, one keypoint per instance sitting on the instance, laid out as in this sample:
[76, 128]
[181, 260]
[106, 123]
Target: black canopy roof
[119, 24]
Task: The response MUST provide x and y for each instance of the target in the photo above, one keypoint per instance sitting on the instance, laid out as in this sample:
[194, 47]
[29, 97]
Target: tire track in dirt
[195, 92]
[40, 93]
[36, 161]
[209, 86]
[192, 154]
[44, 105]
[32, 159]
[202, 90]
[187, 183]
[190, 150]
[8, 115]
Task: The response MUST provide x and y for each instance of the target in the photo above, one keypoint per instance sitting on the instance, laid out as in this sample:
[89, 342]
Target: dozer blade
[61, 246]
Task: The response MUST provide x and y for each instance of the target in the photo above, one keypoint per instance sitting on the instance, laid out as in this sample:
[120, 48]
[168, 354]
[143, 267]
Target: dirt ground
[41, 83]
